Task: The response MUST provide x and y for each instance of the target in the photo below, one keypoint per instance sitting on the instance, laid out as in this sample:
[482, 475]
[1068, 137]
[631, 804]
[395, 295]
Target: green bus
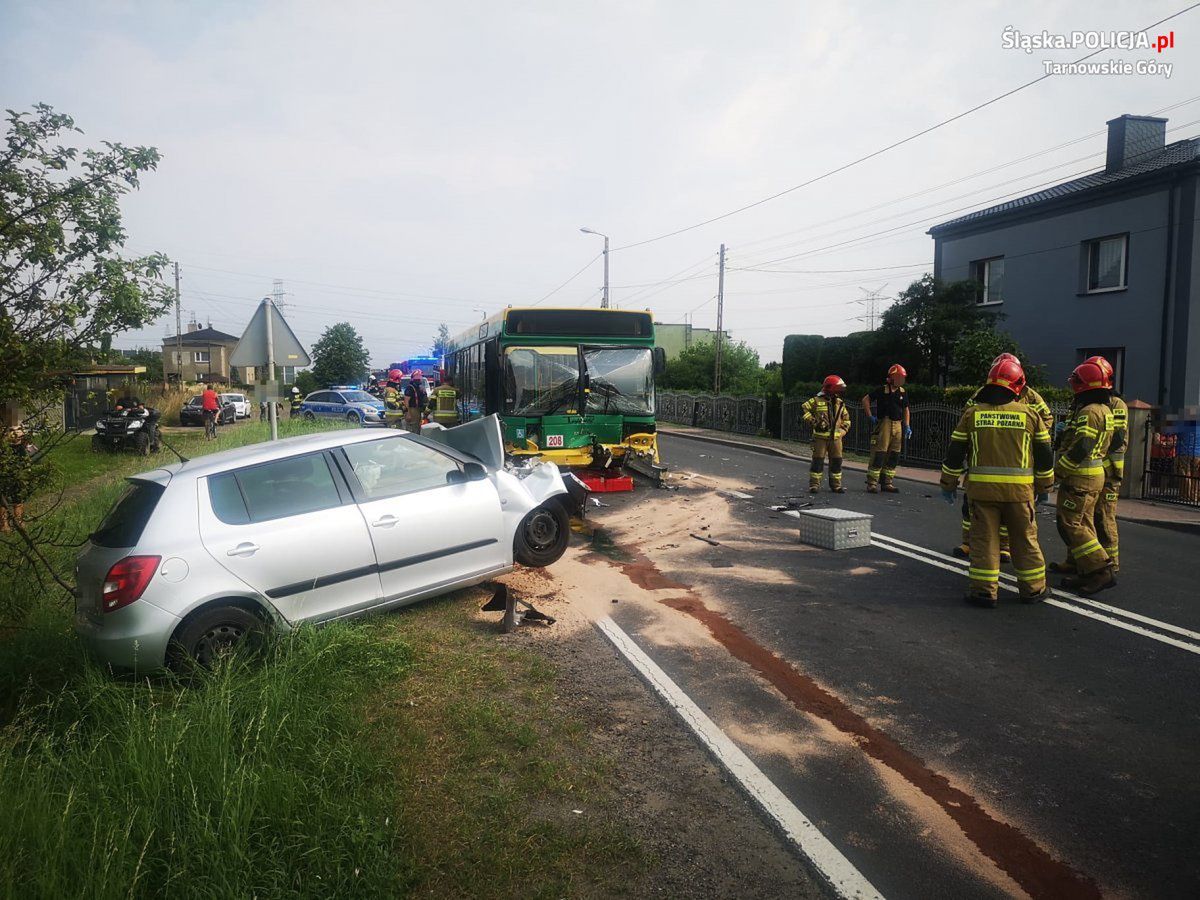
[572, 386]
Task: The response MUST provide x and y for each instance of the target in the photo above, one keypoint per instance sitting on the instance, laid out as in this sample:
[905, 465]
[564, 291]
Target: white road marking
[738, 494]
[959, 569]
[839, 872]
[1066, 595]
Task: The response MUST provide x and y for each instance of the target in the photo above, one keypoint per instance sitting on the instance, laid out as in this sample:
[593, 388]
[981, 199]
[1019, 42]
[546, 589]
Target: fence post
[1137, 452]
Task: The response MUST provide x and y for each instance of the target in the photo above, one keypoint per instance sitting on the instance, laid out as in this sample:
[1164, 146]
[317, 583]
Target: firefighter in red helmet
[830, 421]
[1114, 470]
[1006, 446]
[1034, 401]
[889, 422]
[1085, 446]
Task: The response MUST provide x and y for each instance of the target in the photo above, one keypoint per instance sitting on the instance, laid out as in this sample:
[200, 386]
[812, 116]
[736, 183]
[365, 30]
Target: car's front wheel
[309, 415]
[211, 635]
[542, 536]
[353, 418]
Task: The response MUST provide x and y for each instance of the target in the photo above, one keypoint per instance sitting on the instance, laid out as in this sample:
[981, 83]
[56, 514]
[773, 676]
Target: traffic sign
[264, 342]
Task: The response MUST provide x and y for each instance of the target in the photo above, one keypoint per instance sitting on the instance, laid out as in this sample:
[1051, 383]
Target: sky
[399, 165]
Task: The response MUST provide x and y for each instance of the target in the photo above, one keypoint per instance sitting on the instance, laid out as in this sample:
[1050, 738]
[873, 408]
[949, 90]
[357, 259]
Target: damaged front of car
[537, 499]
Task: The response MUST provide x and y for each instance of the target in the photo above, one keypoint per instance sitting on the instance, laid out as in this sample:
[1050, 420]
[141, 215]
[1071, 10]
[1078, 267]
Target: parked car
[198, 554]
[352, 405]
[240, 404]
[192, 412]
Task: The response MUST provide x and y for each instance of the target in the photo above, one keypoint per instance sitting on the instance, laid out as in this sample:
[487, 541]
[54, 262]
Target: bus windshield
[621, 380]
[539, 381]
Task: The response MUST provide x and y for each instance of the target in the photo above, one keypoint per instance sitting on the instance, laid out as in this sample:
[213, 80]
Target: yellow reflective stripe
[1000, 479]
[1086, 430]
[949, 471]
[1030, 574]
[1049, 473]
[958, 436]
[1083, 550]
[1042, 435]
[983, 574]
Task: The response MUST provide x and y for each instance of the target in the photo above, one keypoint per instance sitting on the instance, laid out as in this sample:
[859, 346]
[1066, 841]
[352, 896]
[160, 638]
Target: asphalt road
[1056, 743]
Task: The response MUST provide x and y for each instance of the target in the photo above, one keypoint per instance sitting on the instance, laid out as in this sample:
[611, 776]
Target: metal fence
[932, 423]
[1172, 467]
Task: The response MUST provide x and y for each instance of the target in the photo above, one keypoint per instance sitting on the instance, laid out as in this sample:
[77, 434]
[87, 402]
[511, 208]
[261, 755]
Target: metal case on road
[835, 529]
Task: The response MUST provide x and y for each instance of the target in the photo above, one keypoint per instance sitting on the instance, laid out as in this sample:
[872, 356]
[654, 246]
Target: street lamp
[604, 301]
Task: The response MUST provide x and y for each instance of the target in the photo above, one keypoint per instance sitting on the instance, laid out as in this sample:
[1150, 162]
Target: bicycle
[210, 424]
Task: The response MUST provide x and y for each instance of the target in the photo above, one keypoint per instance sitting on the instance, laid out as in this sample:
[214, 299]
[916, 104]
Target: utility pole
[178, 330]
[720, 320]
[871, 300]
[271, 388]
[604, 301]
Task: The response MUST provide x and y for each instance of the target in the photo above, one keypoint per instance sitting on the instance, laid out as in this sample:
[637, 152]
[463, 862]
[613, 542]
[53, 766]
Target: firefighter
[296, 399]
[830, 421]
[1080, 470]
[393, 400]
[891, 404]
[1114, 468]
[1034, 401]
[416, 398]
[1006, 446]
[443, 402]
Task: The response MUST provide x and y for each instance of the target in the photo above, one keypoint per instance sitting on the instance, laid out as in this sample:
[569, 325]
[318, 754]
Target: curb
[766, 450]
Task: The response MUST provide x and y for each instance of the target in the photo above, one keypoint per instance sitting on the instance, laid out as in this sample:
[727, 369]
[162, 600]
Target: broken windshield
[621, 380]
[539, 381]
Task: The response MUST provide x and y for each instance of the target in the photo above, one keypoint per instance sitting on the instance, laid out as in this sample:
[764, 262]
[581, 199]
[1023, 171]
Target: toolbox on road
[835, 529]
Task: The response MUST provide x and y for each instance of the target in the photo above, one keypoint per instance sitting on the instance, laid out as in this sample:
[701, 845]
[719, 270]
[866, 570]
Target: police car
[343, 402]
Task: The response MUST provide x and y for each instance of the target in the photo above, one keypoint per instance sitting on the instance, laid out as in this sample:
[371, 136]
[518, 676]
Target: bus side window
[490, 386]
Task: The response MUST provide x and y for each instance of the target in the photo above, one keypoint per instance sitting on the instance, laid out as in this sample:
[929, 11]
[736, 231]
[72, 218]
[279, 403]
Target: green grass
[409, 754]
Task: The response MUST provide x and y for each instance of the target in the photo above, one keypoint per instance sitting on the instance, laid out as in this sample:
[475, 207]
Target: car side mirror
[457, 476]
[474, 471]
[660, 360]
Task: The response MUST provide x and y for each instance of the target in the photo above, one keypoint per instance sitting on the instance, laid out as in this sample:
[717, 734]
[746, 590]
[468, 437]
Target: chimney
[1132, 138]
[193, 326]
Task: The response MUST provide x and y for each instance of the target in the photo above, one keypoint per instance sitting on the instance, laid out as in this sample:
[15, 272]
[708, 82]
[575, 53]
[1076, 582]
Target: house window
[1107, 263]
[176, 357]
[990, 275]
[200, 356]
[1115, 355]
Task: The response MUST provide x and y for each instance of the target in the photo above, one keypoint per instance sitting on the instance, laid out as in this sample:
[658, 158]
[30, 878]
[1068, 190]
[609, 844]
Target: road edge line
[838, 873]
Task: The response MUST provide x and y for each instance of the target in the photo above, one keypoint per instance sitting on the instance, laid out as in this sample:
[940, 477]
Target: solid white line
[840, 873]
[1066, 595]
[1069, 607]
[739, 495]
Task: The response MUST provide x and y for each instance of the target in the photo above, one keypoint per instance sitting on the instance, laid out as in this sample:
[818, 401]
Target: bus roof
[553, 321]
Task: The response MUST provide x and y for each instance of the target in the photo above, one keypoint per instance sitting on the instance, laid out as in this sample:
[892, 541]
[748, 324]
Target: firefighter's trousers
[821, 448]
[966, 526]
[1106, 522]
[1028, 563]
[1077, 528]
[885, 452]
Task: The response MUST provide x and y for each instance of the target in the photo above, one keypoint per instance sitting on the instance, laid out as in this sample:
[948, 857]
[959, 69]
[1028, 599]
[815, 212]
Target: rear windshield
[123, 525]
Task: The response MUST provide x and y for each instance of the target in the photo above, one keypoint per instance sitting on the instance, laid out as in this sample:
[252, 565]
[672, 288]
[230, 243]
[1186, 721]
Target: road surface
[945, 750]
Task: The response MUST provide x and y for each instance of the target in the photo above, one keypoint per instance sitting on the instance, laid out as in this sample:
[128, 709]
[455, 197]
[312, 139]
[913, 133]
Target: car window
[319, 397]
[288, 487]
[123, 525]
[195, 401]
[394, 466]
[227, 501]
[335, 397]
[358, 397]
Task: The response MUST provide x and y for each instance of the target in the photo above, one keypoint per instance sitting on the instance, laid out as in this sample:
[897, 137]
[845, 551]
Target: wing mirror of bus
[660, 360]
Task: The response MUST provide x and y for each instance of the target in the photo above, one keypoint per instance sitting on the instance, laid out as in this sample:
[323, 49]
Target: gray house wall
[1051, 317]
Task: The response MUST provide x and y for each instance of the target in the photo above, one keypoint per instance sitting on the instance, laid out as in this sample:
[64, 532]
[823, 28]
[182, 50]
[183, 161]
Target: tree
[306, 382]
[65, 290]
[339, 357]
[921, 329]
[441, 343]
[143, 356]
[693, 369]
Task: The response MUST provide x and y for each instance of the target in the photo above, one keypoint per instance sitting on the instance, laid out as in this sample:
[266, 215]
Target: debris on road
[706, 540]
[503, 599]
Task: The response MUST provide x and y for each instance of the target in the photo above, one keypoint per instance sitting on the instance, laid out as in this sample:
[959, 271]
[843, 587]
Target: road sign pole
[271, 390]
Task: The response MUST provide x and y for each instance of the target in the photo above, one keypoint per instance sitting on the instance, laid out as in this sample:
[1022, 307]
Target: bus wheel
[542, 536]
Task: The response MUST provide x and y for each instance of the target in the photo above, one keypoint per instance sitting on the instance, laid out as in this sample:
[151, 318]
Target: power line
[891, 146]
[568, 281]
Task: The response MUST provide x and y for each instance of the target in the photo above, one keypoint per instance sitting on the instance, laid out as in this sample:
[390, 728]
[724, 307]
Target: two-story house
[202, 354]
[1105, 263]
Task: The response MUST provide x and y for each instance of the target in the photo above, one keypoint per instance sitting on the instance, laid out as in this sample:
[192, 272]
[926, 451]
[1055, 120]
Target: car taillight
[127, 580]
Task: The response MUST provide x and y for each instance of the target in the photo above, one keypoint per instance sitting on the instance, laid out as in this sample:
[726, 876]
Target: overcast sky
[401, 164]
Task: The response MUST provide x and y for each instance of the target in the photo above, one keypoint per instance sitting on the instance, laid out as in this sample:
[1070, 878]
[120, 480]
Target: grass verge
[410, 754]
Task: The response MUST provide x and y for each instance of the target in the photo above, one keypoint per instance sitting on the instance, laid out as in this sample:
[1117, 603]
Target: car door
[290, 529]
[431, 527]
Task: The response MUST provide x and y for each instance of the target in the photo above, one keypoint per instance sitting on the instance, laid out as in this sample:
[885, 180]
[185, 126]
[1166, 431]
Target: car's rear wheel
[211, 635]
[542, 536]
[309, 415]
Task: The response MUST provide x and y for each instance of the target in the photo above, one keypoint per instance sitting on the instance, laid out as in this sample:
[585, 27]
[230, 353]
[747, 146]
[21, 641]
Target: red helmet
[1087, 377]
[1007, 373]
[395, 374]
[1105, 366]
[897, 371]
[833, 384]
[416, 373]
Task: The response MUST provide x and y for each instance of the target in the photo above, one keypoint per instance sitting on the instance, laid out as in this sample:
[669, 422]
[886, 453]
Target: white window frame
[1093, 247]
[981, 272]
[201, 356]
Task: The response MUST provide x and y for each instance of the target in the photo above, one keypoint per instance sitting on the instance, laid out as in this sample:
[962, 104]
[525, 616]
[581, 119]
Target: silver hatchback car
[197, 554]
